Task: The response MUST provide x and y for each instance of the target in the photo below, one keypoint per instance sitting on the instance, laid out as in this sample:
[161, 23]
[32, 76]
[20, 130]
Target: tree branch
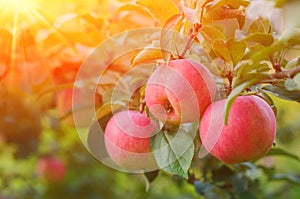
[287, 73]
[191, 39]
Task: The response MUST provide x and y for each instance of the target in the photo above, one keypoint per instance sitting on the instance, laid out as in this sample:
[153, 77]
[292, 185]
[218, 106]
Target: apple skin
[51, 169]
[127, 141]
[180, 91]
[250, 132]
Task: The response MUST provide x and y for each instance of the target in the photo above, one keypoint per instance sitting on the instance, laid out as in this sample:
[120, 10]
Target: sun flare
[17, 5]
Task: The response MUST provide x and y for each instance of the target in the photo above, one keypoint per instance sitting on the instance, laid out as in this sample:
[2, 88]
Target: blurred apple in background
[51, 169]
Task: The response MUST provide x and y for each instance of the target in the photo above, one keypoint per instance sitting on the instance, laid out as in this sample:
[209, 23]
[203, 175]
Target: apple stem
[169, 107]
[142, 106]
[229, 76]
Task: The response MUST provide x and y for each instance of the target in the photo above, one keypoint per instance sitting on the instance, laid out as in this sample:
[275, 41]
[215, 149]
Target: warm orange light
[17, 5]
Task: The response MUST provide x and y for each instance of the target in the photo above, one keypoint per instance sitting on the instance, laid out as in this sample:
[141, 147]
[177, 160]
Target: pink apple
[127, 140]
[249, 134]
[51, 169]
[180, 91]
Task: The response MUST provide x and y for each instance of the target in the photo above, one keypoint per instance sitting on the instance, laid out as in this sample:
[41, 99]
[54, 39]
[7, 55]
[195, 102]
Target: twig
[191, 39]
[286, 73]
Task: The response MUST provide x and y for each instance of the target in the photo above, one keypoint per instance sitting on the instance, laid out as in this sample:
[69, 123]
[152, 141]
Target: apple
[127, 140]
[180, 91]
[249, 134]
[51, 169]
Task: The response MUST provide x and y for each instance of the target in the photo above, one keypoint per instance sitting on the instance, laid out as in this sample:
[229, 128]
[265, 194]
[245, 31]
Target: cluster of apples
[183, 91]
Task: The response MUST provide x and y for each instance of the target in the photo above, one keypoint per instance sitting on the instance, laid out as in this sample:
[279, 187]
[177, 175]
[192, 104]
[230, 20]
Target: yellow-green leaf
[260, 25]
[148, 54]
[210, 33]
[237, 50]
[107, 109]
[233, 95]
[262, 38]
[220, 48]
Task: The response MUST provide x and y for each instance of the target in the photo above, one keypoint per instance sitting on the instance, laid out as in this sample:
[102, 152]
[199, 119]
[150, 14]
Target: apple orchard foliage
[248, 60]
[242, 52]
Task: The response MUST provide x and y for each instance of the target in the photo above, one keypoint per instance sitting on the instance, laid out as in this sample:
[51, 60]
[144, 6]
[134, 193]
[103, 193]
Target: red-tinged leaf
[228, 26]
[216, 13]
[191, 15]
[161, 10]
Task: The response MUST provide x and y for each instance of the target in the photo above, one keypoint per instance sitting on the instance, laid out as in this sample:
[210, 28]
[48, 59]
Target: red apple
[249, 134]
[51, 169]
[127, 140]
[180, 91]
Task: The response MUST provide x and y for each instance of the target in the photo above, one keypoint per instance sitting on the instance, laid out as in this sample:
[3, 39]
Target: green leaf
[174, 151]
[252, 50]
[214, 192]
[268, 99]
[223, 173]
[233, 95]
[281, 152]
[200, 187]
[254, 77]
[161, 10]
[264, 53]
[240, 183]
[280, 91]
[287, 177]
[250, 71]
